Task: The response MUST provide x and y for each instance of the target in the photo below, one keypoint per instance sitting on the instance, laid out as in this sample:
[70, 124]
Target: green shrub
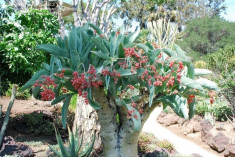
[19, 95]
[18, 38]
[206, 35]
[223, 62]
[38, 124]
[218, 109]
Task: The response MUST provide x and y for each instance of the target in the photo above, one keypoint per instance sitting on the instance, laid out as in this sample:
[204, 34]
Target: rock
[206, 135]
[10, 147]
[206, 125]
[197, 127]
[219, 142]
[229, 152]
[168, 120]
[188, 128]
[196, 155]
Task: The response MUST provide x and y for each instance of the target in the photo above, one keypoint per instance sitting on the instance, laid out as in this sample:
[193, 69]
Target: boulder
[197, 127]
[206, 125]
[229, 152]
[188, 128]
[206, 135]
[168, 120]
[10, 147]
[219, 142]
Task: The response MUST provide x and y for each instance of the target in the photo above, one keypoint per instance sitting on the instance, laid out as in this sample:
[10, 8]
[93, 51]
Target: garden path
[183, 146]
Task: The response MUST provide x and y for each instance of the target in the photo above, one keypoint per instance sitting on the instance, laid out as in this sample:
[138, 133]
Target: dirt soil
[39, 144]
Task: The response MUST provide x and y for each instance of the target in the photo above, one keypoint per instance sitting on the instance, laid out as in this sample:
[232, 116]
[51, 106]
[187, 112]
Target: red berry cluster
[81, 83]
[47, 84]
[114, 74]
[211, 95]
[190, 98]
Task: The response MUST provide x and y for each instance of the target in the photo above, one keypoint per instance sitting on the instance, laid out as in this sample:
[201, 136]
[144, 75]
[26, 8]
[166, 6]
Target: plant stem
[6, 119]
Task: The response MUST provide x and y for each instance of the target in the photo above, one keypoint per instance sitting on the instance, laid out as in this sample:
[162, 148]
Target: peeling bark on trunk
[86, 122]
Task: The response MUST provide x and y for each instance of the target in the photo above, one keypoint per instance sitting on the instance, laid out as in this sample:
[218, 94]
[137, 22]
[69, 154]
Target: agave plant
[75, 148]
[119, 78]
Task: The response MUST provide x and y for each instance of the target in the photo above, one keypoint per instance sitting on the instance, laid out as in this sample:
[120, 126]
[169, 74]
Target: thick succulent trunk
[119, 139]
[86, 122]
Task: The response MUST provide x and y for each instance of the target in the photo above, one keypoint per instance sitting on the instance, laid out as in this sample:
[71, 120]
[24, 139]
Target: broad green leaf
[46, 66]
[65, 109]
[135, 117]
[100, 46]
[93, 103]
[113, 45]
[107, 81]
[169, 52]
[35, 77]
[59, 99]
[98, 30]
[151, 94]
[101, 55]
[180, 52]
[142, 46]
[125, 72]
[200, 72]
[121, 51]
[190, 83]
[36, 91]
[177, 103]
[53, 49]
[208, 84]
[130, 38]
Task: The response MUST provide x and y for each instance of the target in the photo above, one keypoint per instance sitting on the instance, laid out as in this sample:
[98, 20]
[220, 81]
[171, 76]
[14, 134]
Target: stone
[168, 120]
[188, 128]
[219, 142]
[206, 135]
[197, 127]
[10, 147]
[230, 151]
[206, 125]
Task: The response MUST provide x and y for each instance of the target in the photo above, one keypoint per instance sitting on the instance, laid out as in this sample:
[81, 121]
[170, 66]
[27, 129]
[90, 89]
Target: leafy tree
[19, 37]
[181, 10]
[124, 81]
[207, 35]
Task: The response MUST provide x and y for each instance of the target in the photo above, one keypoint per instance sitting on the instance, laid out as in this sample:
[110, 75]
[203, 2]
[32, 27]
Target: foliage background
[20, 32]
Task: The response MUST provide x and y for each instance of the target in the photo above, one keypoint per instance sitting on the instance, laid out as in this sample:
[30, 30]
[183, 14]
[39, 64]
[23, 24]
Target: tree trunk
[86, 122]
[119, 139]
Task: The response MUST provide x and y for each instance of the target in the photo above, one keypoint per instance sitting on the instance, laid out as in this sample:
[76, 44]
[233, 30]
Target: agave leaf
[53, 49]
[61, 144]
[55, 151]
[72, 144]
[65, 109]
